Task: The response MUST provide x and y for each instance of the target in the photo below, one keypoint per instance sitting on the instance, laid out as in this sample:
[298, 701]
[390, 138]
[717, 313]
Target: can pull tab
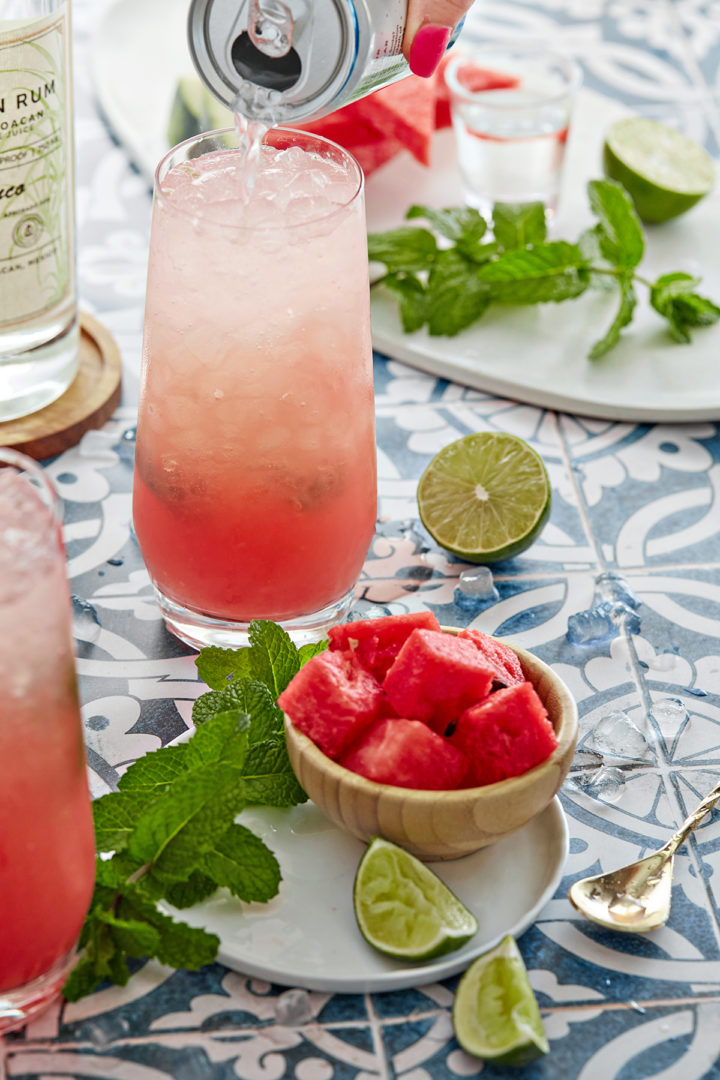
[270, 27]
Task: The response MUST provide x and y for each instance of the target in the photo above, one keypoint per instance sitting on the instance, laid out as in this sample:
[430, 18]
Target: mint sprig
[447, 276]
[169, 832]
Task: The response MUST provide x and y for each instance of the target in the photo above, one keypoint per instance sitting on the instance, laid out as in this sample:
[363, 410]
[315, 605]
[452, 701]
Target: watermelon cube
[332, 699]
[406, 753]
[376, 642]
[504, 736]
[499, 656]
[435, 677]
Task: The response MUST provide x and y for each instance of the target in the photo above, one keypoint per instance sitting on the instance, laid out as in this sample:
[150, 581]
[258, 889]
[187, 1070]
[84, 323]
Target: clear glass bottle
[38, 291]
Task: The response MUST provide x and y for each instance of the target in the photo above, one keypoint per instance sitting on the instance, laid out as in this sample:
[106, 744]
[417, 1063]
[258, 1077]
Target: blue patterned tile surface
[639, 499]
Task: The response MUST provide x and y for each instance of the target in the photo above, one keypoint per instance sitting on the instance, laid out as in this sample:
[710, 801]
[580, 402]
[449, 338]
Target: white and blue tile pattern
[639, 499]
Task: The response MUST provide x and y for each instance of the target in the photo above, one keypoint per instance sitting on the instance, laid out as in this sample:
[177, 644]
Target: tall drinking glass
[255, 473]
[47, 848]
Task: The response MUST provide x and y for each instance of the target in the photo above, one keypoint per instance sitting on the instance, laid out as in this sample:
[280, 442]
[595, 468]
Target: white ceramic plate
[533, 354]
[307, 936]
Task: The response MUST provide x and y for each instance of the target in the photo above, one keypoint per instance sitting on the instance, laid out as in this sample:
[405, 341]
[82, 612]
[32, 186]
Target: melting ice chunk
[85, 621]
[293, 1007]
[669, 714]
[614, 610]
[615, 735]
[476, 589]
[612, 588]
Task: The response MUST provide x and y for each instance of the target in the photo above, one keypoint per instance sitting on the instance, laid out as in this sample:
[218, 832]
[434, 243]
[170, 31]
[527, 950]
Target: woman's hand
[429, 26]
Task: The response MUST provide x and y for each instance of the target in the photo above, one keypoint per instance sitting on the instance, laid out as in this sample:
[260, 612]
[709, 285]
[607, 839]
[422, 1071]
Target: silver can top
[284, 68]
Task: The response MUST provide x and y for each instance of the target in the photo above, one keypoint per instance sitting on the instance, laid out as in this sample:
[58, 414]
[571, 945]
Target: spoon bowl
[636, 898]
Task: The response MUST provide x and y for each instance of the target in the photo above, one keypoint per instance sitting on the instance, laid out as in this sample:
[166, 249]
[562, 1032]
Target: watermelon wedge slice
[405, 111]
[504, 736]
[408, 754]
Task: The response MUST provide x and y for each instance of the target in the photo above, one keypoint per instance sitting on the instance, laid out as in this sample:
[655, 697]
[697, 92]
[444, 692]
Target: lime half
[404, 909]
[495, 1014]
[663, 171]
[485, 497]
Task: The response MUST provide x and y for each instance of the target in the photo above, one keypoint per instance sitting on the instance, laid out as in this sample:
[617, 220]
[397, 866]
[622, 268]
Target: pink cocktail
[255, 474]
[47, 850]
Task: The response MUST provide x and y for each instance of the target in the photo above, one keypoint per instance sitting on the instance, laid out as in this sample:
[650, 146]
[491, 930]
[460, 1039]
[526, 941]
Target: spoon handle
[693, 820]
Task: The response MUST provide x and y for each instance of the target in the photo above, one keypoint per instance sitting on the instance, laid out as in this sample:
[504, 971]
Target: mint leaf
[274, 656]
[456, 295]
[182, 894]
[241, 862]
[180, 826]
[153, 772]
[456, 223]
[410, 295]
[621, 237]
[628, 300]
[217, 667]
[674, 297]
[114, 817]
[179, 945]
[547, 272]
[408, 248]
[133, 937]
[224, 738]
[310, 649]
[516, 225]
[268, 778]
[215, 702]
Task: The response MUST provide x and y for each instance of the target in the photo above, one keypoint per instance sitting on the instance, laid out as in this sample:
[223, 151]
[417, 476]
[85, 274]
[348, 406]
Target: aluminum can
[286, 61]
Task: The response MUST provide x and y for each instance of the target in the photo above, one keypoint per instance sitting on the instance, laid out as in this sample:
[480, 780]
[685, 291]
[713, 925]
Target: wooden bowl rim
[566, 731]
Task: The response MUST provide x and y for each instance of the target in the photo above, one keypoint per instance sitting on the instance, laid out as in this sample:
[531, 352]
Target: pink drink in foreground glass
[255, 475]
[47, 849]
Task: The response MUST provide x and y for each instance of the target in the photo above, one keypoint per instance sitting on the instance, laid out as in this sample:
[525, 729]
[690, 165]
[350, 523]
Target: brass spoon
[636, 898]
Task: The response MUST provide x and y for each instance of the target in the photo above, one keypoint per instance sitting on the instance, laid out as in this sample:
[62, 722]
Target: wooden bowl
[442, 824]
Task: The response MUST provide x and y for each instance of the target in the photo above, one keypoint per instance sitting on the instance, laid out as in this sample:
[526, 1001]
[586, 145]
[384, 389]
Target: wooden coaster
[88, 402]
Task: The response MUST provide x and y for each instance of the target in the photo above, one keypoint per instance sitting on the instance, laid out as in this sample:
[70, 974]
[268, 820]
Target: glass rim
[24, 463]
[480, 97]
[164, 168]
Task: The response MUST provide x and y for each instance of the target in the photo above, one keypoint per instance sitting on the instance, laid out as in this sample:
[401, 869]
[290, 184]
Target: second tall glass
[255, 475]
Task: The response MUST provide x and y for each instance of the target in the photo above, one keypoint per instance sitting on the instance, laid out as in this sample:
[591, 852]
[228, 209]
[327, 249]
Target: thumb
[428, 28]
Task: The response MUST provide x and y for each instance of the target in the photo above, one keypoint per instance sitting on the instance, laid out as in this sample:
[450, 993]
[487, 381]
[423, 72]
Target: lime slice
[404, 909]
[663, 171]
[485, 497]
[495, 1014]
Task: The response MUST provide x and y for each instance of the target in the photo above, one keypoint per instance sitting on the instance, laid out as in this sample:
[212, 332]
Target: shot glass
[254, 493]
[511, 110]
[47, 848]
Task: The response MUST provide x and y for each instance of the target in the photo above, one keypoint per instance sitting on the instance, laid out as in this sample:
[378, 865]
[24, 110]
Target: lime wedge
[495, 1014]
[404, 909]
[663, 171]
[485, 497]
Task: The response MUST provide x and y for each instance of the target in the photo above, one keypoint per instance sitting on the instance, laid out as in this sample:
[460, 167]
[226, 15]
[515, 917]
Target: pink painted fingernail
[428, 49]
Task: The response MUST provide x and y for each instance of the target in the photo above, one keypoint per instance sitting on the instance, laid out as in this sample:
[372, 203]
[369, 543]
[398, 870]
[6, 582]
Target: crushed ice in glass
[614, 610]
[476, 589]
[293, 1007]
[616, 735]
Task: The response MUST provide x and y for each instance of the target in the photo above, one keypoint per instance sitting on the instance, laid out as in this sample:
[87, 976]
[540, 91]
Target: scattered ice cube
[670, 715]
[85, 621]
[608, 784]
[293, 1007]
[616, 735]
[476, 589]
[104, 1030]
[590, 628]
[611, 588]
[364, 609]
[621, 616]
